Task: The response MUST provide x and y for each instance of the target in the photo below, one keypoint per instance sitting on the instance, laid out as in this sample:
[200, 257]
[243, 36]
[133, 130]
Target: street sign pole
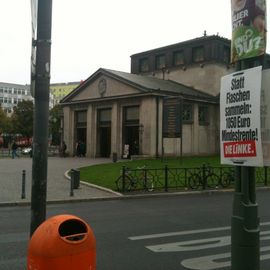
[245, 238]
[41, 112]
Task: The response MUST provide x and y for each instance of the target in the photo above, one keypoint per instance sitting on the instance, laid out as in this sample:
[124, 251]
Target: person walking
[14, 147]
[64, 148]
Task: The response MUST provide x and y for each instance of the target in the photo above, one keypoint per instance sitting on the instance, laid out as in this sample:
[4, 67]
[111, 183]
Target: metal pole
[23, 184]
[166, 178]
[71, 183]
[245, 238]
[41, 112]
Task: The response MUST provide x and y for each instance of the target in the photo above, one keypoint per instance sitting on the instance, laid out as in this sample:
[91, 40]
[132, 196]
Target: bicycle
[227, 177]
[134, 181]
[204, 177]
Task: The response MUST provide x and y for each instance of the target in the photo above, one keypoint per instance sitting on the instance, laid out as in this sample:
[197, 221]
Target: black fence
[169, 179]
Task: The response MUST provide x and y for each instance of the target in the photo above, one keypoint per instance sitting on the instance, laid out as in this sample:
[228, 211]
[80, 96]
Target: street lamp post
[41, 86]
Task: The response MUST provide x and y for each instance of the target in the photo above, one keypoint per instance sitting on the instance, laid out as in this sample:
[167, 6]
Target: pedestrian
[83, 149]
[14, 147]
[78, 149]
[64, 148]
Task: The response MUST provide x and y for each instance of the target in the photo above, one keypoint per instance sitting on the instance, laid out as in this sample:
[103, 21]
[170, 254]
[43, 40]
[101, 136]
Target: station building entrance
[104, 133]
[81, 130]
[131, 139]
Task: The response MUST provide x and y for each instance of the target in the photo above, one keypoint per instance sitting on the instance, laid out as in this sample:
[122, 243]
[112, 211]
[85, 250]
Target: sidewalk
[58, 186]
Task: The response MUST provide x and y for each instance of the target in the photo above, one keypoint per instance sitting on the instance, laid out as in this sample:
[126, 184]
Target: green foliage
[106, 174]
[55, 123]
[3, 120]
[22, 118]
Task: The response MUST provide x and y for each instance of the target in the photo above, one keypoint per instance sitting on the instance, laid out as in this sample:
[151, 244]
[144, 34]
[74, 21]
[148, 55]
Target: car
[27, 151]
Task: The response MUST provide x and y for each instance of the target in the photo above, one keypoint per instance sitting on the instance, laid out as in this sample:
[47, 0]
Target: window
[81, 117]
[1, 100]
[1, 90]
[105, 115]
[187, 113]
[160, 61]
[144, 65]
[197, 54]
[203, 115]
[132, 113]
[178, 58]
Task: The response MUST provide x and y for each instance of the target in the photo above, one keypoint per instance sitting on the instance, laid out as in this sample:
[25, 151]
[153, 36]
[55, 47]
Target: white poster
[240, 124]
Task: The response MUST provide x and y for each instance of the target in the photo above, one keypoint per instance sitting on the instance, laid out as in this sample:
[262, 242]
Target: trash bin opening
[73, 230]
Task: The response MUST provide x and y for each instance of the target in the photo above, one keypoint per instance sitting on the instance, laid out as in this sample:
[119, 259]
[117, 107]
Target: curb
[94, 186]
[127, 197]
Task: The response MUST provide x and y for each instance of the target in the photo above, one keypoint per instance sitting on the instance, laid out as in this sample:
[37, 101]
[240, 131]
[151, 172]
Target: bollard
[23, 184]
[114, 157]
[71, 183]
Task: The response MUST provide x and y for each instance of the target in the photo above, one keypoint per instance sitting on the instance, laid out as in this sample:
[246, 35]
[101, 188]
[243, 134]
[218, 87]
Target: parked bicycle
[134, 179]
[204, 177]
[227, 177]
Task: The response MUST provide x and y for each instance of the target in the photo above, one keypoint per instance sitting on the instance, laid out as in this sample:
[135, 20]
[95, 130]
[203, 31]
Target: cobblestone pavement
[58, 187]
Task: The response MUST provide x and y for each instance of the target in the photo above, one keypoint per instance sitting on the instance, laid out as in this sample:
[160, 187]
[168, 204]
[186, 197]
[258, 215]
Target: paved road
[58, 187]
[162, 233]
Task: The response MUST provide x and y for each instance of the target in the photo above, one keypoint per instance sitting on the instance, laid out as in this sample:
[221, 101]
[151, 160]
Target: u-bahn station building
[167, 105]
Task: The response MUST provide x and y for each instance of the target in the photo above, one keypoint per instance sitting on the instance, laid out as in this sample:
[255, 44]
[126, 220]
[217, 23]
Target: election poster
[240, 123]
[248, 29]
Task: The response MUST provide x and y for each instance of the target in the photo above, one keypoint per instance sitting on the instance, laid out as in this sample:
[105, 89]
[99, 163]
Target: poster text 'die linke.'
[240, 118]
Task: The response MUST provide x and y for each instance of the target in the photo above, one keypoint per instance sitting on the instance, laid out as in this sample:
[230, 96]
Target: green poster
[248, 29]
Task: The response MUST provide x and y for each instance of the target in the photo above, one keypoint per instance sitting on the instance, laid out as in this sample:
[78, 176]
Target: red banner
[239, 149]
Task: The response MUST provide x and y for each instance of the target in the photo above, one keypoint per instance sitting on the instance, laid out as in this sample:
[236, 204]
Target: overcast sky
[87, 35]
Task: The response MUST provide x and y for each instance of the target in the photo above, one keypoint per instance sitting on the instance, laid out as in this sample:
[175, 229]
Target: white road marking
[161, 235]
[192, 245]
[209, 263]
[199, 244]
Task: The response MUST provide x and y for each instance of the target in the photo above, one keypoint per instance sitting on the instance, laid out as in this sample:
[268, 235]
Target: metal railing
[169, 179]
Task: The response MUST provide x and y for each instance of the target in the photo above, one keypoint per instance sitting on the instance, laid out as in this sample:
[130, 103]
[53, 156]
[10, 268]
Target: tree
[2, 120]
[5, 122]
[22, 118]
[54, 124]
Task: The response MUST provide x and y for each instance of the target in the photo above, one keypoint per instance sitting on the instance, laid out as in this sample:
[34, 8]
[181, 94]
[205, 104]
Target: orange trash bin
[63, 242]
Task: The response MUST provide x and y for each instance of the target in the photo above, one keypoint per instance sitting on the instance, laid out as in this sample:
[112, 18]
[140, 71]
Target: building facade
[60, 90]
[168, 104]
[12, 94]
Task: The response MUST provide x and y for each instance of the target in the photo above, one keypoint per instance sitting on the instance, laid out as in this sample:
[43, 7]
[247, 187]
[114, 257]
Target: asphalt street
[172, 232]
